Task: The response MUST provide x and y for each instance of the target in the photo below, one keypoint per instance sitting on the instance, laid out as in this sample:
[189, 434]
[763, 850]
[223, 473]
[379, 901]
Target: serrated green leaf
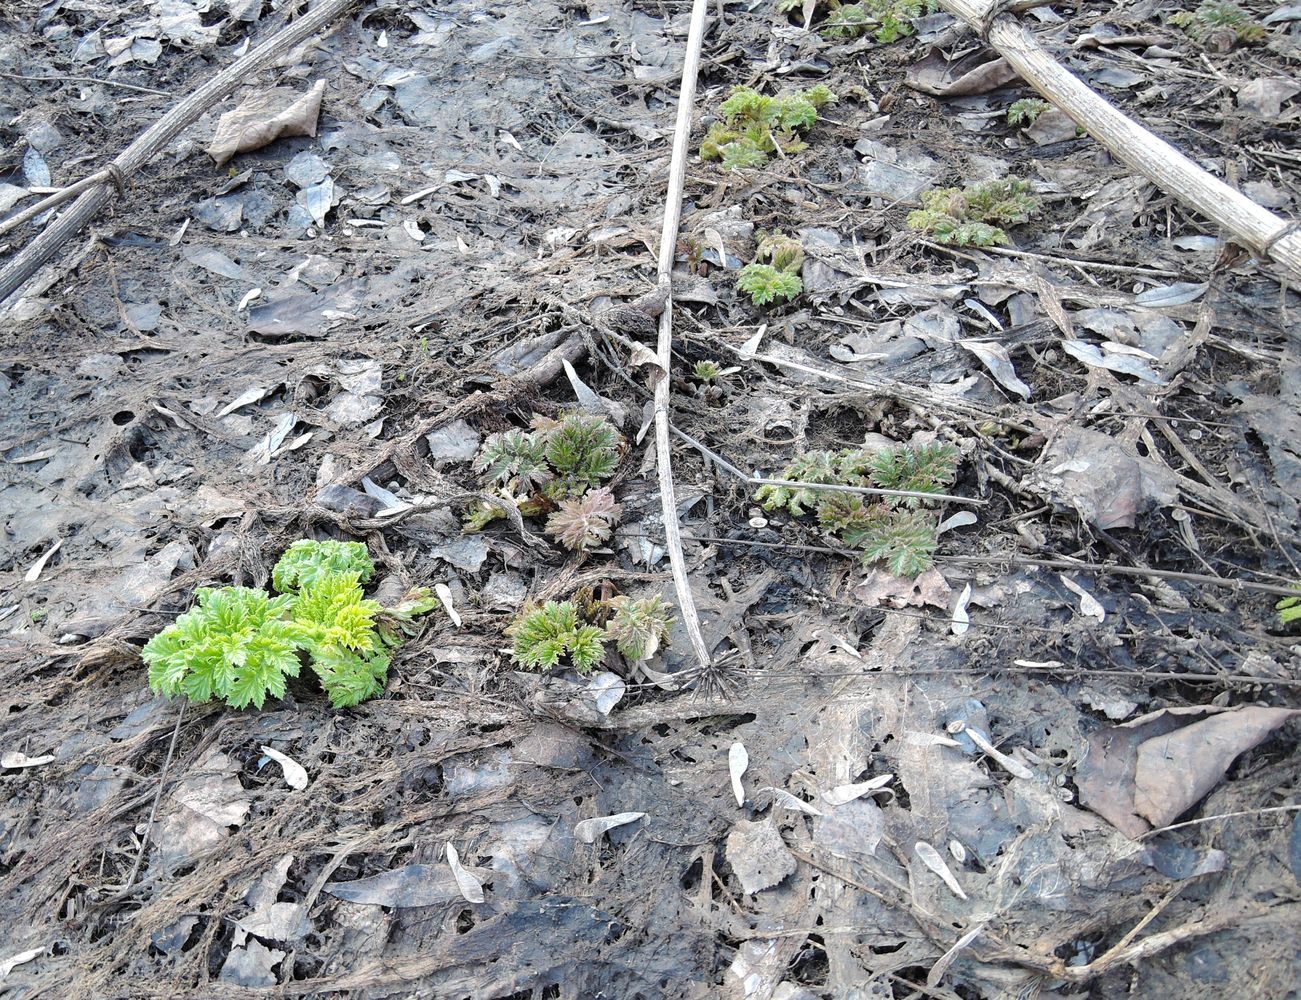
[306, 561]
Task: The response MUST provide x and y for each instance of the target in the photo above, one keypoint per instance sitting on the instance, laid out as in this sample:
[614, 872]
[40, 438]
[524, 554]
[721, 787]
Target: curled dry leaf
[295, 773]
[589, 830]
[930, 857]
[470, 886]
[841, 794]
[784, 799]
[34, 574]
[445, 596]
[961, 621]
[737, 761]
[15, 759]
[1013, 767]
[7, 965]
[1089, 606]
[264, 117]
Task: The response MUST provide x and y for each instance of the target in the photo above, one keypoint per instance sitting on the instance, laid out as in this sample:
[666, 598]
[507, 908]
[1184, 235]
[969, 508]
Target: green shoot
[765, 284]
[306, 561]
[755, 126]
[638, 627]
[774, 276]
[706, 371]
[889, 20]
[1026, 110]
[1289, 609]
[546, 635]
[893, 530]
[1214, 19]
[968, 216]
[240, 645]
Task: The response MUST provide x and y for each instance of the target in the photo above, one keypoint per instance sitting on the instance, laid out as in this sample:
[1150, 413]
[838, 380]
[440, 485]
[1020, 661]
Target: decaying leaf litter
[948, 785]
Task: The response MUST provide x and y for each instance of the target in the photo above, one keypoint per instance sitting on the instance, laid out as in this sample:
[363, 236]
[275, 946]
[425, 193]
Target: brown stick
[26, 262]
[1264, 233]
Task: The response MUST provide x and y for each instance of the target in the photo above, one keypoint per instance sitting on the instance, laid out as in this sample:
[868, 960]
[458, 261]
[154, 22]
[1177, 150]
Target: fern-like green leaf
[515, 460]
[583, 450]
[925, 469]
[1026, 110]
[543, 636]
[812, 467]
[968, 217]
[233, 645]
[1289, 610]
[742, 154]
[306, 561]
[638, 627]
[765, 284]
[903, 539]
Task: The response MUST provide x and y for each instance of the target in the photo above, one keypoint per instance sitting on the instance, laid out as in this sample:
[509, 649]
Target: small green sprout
[765, 284]
[706, 371]
[1214, 20]
[1289, 608]
[755, 126]
[1026, 110]
[638, 627]
[893, 530]
[545, 636]
[240, 644]
[970, 216]
[775, 274]
[890, 19]
[555, 466]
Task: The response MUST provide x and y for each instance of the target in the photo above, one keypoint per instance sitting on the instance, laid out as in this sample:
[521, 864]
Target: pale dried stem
[663, 384]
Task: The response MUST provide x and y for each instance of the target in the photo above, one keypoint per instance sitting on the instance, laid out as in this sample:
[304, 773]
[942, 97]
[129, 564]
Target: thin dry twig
[663, 384]
[158, 795]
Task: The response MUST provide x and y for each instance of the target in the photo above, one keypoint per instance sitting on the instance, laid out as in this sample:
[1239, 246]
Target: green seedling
[240, 644]
[1026, 110]
[774, 277]
[756, 126]
[556, 467]
[889, 20]
[973, 216]
[1215, 21]
[897, 531]
[706, 371]
[1289, 608]
[544, 637]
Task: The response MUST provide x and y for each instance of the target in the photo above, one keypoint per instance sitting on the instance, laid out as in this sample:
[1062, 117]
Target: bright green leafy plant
[1214, 20]
[756, 126]
[307, 561]
[240, 644]
[556, 467]
[545, 635]
[897, 531]
[1289, 608]
[1026, 110]
[775, 274]
[889, 20]
[972, 216]
[556, 632]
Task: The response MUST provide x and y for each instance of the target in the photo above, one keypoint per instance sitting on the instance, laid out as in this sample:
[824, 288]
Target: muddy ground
[171, 430]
